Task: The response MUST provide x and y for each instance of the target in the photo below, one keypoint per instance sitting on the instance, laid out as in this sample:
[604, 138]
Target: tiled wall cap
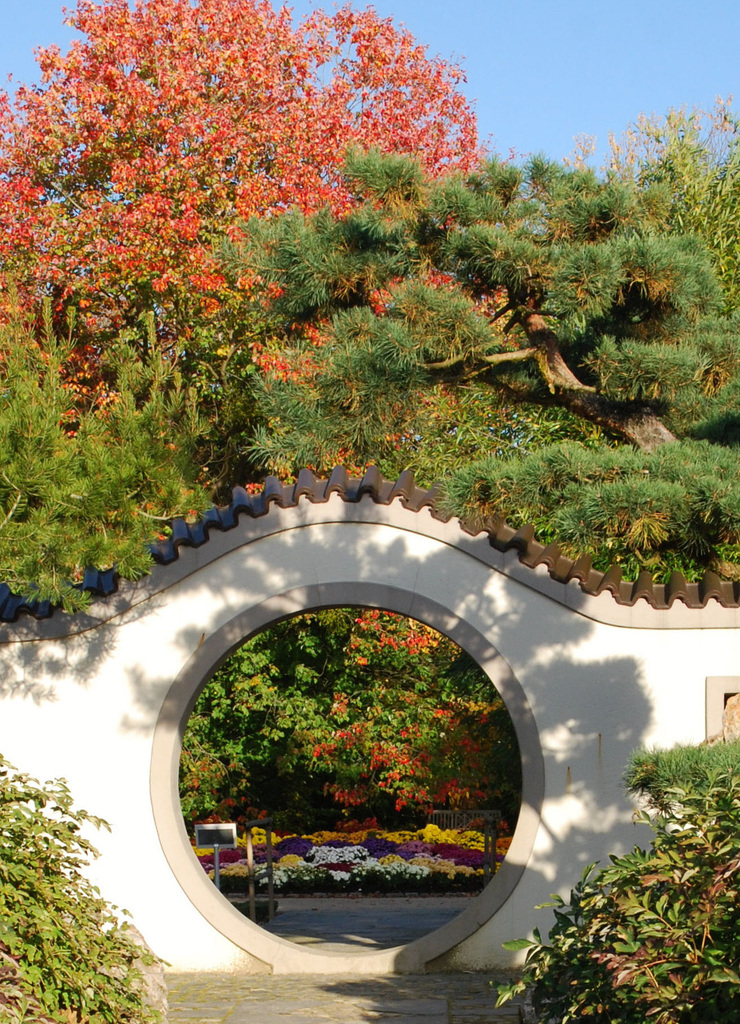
[373, 487]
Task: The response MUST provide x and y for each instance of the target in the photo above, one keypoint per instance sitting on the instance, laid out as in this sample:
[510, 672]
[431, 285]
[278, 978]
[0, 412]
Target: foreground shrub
[655, 936]
[17, 1004]
[64, 954]
[652, 774]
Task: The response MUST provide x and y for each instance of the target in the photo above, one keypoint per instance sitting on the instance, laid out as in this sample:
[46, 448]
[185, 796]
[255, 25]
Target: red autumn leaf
[165, 124]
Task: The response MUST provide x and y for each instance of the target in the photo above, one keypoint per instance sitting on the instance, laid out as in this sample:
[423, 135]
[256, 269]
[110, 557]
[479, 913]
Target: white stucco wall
[87, 707]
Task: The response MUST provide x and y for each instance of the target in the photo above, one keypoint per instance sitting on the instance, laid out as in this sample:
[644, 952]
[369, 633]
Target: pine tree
[541, 287]
[96, 454]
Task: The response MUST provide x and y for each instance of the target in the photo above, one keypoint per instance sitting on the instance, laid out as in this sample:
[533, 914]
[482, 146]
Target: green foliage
[64, 954]
[19, 1005]
[533, 311]
[677, 508]
[96, 453]
[348, 709]
[695, 156]
[528, 289]
[656, 774]
[655, 936]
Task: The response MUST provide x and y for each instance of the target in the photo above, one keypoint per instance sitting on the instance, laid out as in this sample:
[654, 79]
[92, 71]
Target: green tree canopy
[348, 709]
[539, 286]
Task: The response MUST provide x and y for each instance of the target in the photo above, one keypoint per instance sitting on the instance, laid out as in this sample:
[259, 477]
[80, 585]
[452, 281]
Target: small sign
[222, 834]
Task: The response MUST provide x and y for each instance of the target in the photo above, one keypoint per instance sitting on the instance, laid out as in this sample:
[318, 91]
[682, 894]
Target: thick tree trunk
[636, 423]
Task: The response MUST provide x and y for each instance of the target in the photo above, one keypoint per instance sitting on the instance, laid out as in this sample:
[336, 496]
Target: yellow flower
[470, 840]
[398, 837]
[259, 835]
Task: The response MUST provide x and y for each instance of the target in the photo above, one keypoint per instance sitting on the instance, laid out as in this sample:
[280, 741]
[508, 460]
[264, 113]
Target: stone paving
[199, 998]
[342, 923]
[333, 923]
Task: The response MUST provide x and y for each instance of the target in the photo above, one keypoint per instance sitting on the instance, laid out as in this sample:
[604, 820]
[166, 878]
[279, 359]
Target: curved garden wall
[102, 698]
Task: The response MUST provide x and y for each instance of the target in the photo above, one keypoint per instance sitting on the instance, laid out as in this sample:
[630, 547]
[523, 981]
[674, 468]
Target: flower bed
[428, 860]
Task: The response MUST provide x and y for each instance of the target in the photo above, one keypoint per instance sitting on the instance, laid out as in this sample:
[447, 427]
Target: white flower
[337, 855]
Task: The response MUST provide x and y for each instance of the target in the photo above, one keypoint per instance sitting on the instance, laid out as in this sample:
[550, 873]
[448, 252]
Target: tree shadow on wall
[590, 712]
[37, 669]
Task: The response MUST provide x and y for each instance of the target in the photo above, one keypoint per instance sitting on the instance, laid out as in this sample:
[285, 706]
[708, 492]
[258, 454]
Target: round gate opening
[371, 770]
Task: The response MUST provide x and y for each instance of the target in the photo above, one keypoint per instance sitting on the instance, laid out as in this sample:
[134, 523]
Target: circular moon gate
[101, 698]
[166, 750]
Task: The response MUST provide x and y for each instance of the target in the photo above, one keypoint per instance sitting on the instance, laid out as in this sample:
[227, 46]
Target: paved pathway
[342, 923]
[336, 923]
[324, 999]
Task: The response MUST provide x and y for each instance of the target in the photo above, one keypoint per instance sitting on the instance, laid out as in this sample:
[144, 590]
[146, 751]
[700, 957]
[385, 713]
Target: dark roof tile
[612, 581]
[276, 493]
[405, 488]
[241, 501]
[373, 486]
[523, 540]
[581, 569]
[646, 587]
[337, 483]
[15, 604]
[101, 582]
[711, 586]
[560, 570]
[305, 485]
[550, 556]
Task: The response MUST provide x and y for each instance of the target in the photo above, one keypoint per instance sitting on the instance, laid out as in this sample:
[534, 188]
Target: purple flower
[379, 847]
[293, 844]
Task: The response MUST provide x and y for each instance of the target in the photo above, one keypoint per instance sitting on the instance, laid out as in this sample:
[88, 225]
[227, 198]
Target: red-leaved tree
[166, 123]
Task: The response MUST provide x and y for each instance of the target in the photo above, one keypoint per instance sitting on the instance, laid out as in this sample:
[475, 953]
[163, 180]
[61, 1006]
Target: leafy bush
[64, 954]
[656, 935]
[16, 1002]
[653, 773]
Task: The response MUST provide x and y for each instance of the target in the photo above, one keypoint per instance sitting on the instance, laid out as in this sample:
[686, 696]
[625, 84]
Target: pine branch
[10, 514]
[520, 355]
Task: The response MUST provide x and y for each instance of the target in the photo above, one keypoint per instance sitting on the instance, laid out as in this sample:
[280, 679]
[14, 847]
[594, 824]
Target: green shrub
[16, 1002]
[656, 935]
[652, 773]
[65, 955]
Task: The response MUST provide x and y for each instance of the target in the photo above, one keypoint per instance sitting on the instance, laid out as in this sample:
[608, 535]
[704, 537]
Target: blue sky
[540, 72]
